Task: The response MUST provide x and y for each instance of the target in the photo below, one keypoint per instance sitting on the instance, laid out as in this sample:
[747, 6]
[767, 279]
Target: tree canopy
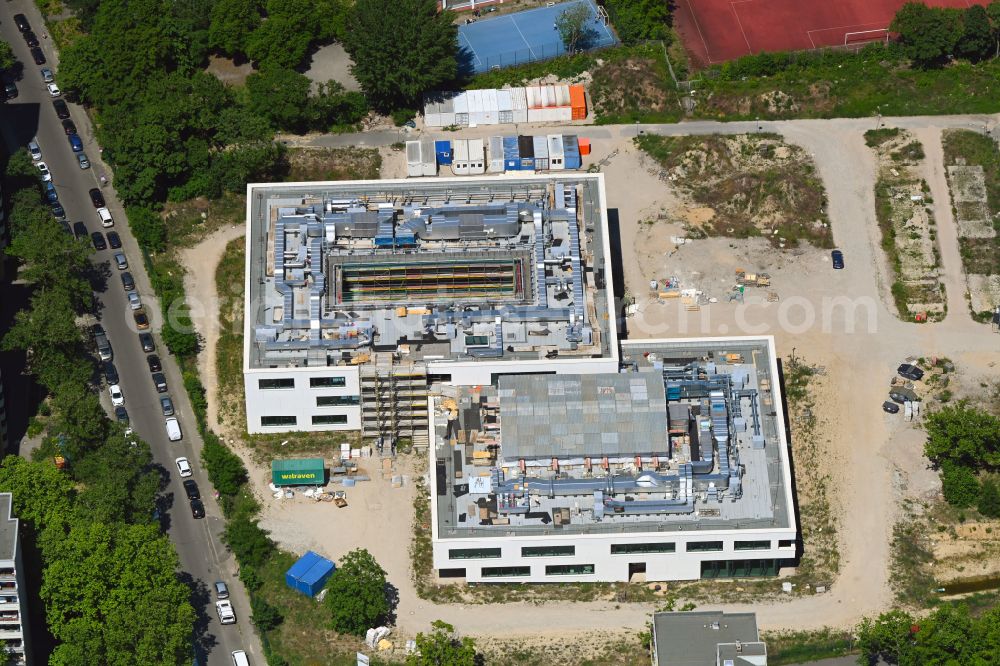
[401, 49]
[574, 27]
[356, 594]
[927, 34]
[963, 435]
[441, 647]
[637, 20]
[949, 635]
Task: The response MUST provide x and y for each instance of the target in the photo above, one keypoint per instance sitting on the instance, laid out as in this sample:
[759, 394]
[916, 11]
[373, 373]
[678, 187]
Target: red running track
[718, 30]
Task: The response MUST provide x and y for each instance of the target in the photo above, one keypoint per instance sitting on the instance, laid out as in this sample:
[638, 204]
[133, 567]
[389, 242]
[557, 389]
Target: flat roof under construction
[471, 269]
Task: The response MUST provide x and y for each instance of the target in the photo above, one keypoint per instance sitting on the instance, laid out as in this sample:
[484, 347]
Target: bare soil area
[228, 71]
[333, 164]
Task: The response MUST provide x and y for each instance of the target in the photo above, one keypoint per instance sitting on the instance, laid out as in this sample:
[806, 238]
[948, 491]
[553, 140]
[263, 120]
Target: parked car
[34, 150]
[47, 76]
[198, 511]
[160, 382]
[61, 109]
[134, 302]
[43, 171]
[21, 21]
[50, 192]
[909, 371]
[58, 211]
[838, 259]
[96, 197]
[166, 405]
[121, 415]
[225, 610]
[75, 143]
[53, 90]
[890, 407]
[173, 428]
[37, 56]
[146, 342]
[114, 240]
[153, 361]
[30, 38]
[117, 397]
[105, 215]
[69, 127]
[191, 490]
[121, 261]
[141, 320]
[183, 466]
[110, 372]
[97, 238]
[127, 282]
[83, 160]
[79, 229]
[221, 590]
[9, 90]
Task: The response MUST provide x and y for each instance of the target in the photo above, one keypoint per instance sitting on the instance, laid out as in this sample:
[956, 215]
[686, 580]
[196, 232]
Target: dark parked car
[61, 109]
[21, 21]
[50, 193]
[910, 372]
[30, 38]
[121, 415]
[98, 240]
[890, 407]
[38, 56]
[75, 143]
[110, 372]
[191, 488]
[9, 90]
[166, 405]
[838, 259]
[127, 281]
[96, 197]
[79, 229]
[153, 361]
[221, 590]
[114, 240]
[197, 509]
[147, 342]
[69, 127]
[160, 382]
[58, 211]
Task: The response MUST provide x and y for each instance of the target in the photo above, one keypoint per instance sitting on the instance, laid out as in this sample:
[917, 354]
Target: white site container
[413, 163]
[496, 155]
[446, 112]
[491, 111]
[477, 157]
[460, 163]
[461, 109]
[432, 113]
[428, 158]
[557, 161]
[505, 107]
[519, 103]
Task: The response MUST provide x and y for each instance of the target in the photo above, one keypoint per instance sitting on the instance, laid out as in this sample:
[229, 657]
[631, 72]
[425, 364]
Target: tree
[977, 36]
[250, 544]
[964, 435]
[265, 616]
[7, 58]
[333, 106]
[887, 636]
[48, 333]
[286, 36]
[637, 20]
[148, 228]
[279, 95]
[400, 49]
[928, 35]
[574, 27]
[959, 485]
[225, 469]
[993, 13]
[233, 21]
[442, 647]
[989, 499]
[54, 261]
[356, 595]
[180, 339]
[39, 491]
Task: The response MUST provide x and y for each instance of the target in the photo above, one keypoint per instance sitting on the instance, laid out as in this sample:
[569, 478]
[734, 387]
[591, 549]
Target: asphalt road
[203, 557]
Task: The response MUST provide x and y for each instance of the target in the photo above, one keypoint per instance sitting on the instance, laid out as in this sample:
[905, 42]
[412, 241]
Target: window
[329, 419]
[569, 569]
[752, 545]
[279, 383]
[786, 543]
[500, 572]
[267, 421]
[704, 546]
[547, 551]
[327, 382]
[629, 548]
[473, 553]
[336, 400]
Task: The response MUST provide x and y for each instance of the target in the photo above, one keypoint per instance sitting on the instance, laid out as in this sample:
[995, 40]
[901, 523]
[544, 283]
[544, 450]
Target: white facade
[14, 630]
[303, 399]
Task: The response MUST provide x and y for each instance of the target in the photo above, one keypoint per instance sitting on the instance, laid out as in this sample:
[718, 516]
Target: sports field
[718, 30]
[513, 39]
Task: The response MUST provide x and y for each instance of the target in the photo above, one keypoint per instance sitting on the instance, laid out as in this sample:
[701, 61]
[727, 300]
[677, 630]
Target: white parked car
[173, 429]
[226, 613]
[117, 397]
[43, 170]
[133, 301]
[53, 90]
[35, 150]
[183, 466]
[105, 215]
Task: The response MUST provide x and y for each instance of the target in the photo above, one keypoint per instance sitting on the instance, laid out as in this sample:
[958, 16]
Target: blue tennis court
[527, 36]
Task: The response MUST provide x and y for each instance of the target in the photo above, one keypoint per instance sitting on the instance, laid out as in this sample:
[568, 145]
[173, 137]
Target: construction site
[674, 468]
[363, 296]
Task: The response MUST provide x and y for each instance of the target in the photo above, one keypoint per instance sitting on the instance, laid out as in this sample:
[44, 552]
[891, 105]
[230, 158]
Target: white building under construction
[674, 468]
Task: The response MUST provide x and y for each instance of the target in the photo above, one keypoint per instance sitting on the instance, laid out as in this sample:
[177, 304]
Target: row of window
[318, 419]
[289, 382]
[550, 570]
[616, 549]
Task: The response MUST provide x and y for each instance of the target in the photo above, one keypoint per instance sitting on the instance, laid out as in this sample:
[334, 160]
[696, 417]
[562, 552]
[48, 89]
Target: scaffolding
[420, 281]
[394, 401]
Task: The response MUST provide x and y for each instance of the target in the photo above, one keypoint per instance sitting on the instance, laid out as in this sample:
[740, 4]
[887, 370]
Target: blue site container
[313, 580]
[511, 155]
[443, 151]
[303, 565]
[571, 151]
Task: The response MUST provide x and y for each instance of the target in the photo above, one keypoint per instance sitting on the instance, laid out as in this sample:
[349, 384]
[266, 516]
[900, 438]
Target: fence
[472, 63]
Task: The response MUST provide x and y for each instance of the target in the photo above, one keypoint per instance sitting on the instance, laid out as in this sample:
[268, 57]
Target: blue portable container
[300, 568]
[443, 151]
[313, 580]
[571, 151]
[511, 155]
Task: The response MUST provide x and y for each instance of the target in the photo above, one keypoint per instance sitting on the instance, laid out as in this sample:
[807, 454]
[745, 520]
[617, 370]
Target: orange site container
[578, 101]
[584, 146]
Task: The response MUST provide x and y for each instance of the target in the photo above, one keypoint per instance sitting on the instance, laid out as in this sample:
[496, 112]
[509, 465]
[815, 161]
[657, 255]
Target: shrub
[959, 485]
